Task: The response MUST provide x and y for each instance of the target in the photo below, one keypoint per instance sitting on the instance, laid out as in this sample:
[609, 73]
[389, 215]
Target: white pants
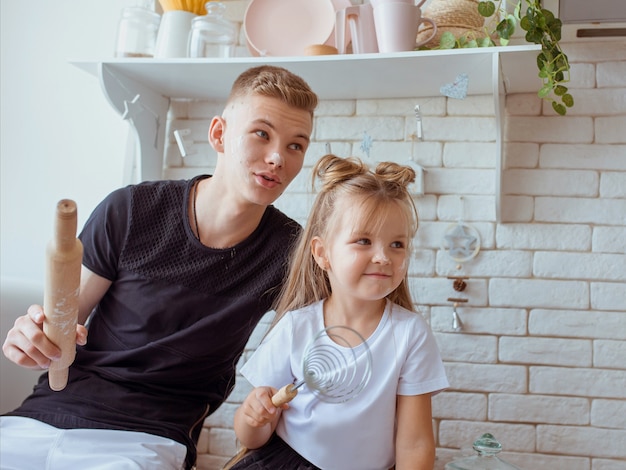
[28, 444]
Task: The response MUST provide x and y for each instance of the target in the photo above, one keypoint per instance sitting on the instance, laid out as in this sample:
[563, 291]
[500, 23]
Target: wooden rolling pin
[64, 256]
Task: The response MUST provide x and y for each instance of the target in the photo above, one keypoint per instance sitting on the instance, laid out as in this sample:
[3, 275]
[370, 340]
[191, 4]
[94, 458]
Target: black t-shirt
[165, 339]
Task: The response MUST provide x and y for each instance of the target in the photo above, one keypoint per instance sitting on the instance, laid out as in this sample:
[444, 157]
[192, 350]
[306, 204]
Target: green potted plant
[541, 26]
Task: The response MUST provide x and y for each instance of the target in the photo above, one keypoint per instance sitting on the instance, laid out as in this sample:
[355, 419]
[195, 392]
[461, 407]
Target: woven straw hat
[459, 17]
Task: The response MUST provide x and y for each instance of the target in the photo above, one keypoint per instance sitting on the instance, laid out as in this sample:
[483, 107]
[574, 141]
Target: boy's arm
[26, 344]
[92, 289]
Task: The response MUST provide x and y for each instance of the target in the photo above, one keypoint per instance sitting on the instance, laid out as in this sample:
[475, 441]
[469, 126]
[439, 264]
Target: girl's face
[365, 259]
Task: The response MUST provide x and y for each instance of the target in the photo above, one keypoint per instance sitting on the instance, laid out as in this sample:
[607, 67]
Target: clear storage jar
[137, 32]
[487, 448]
[212, 35]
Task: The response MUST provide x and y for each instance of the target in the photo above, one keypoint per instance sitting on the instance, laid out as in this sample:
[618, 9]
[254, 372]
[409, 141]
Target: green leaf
[568, 100]
[471, 43]
[541, 22]
[534, 36]
[545, 91]
[447, 41]
[560, 90]
[485, 42]
[525, 24]
[561, 62]
[512, 21]
[555, 29]
[503, 29]
[531, 16]
[548, 56]
[559, 108]
[542, 61]
[548, 16]
[486, 8]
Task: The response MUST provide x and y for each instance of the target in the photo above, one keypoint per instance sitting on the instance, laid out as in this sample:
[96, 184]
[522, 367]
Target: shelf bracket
[146, 110]
[499, 101]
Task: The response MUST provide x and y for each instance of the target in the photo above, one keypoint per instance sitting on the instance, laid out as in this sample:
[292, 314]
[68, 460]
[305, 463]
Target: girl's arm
[257, 417]
[415, 442]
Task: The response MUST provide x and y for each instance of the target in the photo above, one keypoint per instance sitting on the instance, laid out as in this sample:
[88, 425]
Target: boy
[176, 275]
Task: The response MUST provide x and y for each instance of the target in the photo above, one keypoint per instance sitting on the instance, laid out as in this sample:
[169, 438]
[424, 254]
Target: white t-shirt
[357, 434]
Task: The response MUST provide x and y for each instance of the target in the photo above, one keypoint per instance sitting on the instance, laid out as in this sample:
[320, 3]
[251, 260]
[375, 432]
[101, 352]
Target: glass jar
[487, 447]
[212, 35]
[137, 32]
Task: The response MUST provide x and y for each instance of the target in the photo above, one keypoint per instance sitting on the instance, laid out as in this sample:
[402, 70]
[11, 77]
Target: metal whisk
[337, 365]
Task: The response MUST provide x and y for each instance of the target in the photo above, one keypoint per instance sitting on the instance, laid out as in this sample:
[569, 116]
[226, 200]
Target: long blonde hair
[340, 177]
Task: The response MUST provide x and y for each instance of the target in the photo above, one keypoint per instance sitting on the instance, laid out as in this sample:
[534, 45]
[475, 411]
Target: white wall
[59, 136]
[540, 361]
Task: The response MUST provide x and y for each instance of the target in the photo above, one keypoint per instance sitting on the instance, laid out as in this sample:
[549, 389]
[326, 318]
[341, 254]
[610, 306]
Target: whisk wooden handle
[64, 256]
[284, 395]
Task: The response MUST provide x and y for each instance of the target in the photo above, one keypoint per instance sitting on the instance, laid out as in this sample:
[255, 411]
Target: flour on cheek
[237, 147]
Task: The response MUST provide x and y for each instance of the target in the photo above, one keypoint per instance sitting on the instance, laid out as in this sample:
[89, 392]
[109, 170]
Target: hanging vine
[542, 27]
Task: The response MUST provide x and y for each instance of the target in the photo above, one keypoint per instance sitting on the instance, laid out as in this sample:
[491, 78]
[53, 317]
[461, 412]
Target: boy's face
[263, 142]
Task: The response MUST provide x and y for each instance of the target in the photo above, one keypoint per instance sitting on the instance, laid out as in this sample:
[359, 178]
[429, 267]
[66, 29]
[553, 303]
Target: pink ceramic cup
[375, 3]
[396, 26]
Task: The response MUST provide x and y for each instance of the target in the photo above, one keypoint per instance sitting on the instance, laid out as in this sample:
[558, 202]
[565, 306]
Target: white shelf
[141, 89]
[349, 76]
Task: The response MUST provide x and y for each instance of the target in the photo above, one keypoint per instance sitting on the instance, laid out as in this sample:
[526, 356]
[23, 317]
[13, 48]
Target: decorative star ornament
[366, 144]
[461, 242]
[456, 89]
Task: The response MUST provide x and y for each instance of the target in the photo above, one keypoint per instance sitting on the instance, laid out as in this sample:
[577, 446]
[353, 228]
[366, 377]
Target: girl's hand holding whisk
[258, 408]
[258, 411]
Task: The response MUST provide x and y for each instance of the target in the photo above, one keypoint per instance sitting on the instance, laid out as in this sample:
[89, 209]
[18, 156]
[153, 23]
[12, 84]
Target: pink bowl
[285, 28]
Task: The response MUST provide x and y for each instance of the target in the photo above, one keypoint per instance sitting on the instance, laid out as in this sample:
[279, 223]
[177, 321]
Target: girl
[349, 268]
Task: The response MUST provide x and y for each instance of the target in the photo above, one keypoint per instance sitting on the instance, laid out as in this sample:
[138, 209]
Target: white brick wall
[541, 359]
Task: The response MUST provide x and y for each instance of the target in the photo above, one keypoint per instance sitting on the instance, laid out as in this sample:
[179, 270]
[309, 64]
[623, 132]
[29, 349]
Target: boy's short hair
[275, 82]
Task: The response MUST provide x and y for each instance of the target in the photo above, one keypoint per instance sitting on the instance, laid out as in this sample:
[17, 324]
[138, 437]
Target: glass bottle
[137, 32]
[487, 448]
[212, 35]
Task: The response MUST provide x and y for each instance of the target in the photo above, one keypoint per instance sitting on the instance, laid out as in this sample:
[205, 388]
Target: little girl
[349, 268]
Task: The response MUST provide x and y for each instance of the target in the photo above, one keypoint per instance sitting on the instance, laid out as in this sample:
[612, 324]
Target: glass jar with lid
[213, 35]
[137, 32]
[487, 448]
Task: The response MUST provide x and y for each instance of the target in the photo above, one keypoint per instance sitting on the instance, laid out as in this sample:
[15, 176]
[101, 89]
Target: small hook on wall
[185, 145]
[457, 324]
[419, 132]
[456, 321]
